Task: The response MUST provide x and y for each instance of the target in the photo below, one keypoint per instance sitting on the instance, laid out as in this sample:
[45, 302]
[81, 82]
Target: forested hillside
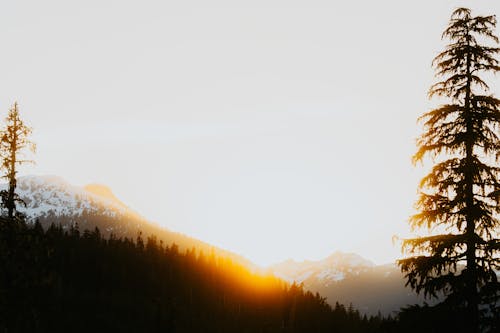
[72, 281]
[52, 200]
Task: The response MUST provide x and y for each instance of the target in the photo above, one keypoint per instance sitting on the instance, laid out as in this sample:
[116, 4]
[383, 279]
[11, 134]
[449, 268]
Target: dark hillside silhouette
[57, 281]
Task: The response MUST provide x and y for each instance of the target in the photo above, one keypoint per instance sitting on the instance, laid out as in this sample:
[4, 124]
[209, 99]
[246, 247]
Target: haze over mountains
[342, 277]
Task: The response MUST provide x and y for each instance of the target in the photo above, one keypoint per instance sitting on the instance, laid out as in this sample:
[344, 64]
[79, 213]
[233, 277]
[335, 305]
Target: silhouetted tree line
[70, 281]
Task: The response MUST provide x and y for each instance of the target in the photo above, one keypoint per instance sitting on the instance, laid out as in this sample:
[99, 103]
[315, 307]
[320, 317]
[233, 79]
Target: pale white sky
[275, 129]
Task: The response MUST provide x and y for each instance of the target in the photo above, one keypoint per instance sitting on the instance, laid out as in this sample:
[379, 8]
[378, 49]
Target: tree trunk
[471, 272]
[11, 203]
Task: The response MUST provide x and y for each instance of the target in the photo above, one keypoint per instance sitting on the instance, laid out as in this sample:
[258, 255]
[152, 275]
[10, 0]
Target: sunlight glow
[269, 130]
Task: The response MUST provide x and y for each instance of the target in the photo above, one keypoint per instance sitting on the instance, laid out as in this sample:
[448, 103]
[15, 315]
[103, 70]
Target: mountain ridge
[52, 200]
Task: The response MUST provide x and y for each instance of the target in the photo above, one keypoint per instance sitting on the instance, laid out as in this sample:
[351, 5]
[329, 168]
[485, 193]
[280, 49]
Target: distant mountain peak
[351, 259]
[102, 191]
[333, 268]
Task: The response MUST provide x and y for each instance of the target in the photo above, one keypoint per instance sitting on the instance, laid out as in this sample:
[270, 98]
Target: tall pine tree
[14, 139]
[459, 199]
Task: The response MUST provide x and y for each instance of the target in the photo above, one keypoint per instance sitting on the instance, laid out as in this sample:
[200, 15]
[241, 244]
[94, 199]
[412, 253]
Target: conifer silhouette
[14, 139]
[459, 199]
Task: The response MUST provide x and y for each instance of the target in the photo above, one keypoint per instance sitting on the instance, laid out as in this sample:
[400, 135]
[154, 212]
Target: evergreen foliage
[459, 199]
[72, 281]
[13, 140]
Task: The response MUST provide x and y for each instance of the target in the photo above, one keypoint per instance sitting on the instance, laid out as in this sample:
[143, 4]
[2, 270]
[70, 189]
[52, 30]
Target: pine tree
[14, 140]
[459, 199]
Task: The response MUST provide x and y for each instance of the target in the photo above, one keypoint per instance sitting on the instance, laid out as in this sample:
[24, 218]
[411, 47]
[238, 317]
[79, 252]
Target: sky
[274, 129]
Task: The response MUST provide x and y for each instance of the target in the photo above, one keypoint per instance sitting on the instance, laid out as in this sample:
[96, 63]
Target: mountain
[343, 277]
[348, 278]
[48, 196]
[52, 200]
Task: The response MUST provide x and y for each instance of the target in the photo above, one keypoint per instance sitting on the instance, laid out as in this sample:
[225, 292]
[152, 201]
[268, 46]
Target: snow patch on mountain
[331, 274]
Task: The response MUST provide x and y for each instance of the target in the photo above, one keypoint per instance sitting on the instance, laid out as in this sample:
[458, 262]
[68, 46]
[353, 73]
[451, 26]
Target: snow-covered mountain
[52, 196]
[52, 200]
[331, 269]
[349, 278]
